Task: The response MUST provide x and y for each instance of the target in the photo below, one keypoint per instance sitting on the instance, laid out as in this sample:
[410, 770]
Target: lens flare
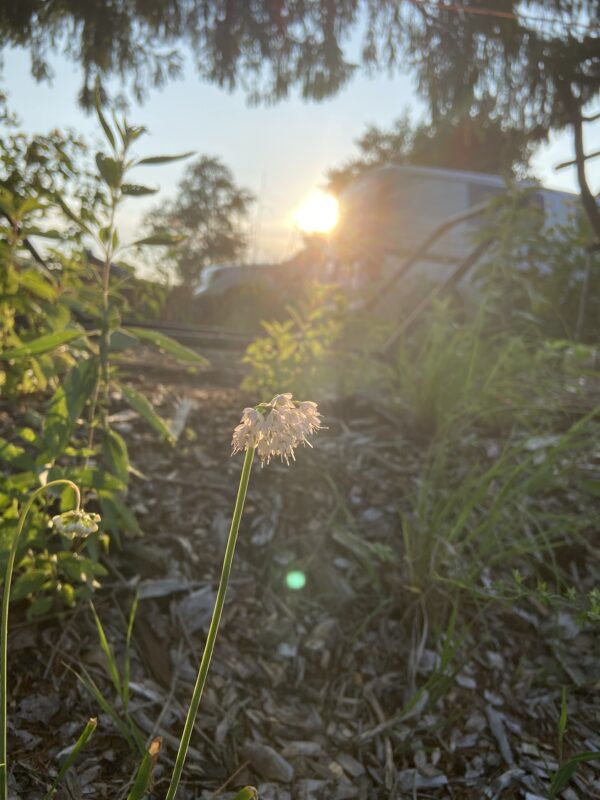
[319, 213]
[295, 580]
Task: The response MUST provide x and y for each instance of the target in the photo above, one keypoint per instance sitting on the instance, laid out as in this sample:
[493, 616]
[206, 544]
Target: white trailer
[389, 211]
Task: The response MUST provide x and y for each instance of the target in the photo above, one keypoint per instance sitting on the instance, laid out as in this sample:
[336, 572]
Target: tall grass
[468, 524]
[454, 373]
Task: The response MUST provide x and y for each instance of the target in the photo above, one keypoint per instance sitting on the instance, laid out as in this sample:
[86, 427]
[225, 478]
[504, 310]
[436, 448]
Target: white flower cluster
[76, 524]
[276, 428]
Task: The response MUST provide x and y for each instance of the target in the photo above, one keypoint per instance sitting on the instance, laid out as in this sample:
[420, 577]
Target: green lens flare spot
[295, 580]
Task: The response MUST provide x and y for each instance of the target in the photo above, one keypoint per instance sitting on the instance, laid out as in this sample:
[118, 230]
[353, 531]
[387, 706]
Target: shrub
[535, 272]
[298, 354]
[43, 341]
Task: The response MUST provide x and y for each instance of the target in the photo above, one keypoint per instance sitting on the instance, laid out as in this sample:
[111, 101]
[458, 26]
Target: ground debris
[336, 691]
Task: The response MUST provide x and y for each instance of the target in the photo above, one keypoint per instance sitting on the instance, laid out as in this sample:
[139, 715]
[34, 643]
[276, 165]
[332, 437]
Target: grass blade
[72, 757]
[127, 660]
[562, 721]
[144, 773]
[131, 735]
[113, 669]
[566, 771]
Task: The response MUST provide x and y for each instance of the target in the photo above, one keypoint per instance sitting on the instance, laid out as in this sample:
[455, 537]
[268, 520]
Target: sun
[318, 213]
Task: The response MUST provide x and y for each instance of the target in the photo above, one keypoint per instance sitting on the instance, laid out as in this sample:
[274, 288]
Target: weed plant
[474, 519]
[534, 274]
[299, 352]
[68, 335]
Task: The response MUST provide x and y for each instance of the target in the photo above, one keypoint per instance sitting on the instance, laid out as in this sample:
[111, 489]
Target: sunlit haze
[281, 153]
[317, 214]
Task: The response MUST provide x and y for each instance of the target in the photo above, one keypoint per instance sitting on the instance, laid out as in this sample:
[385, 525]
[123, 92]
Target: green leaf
[29, 582]
[116, 516]
[40, 605]
[72, 757]
[562, 720]
[71, 214]
[25, 207]
[120, 341]
[169, 345]
[566, 771]
[105, 126]
[136, 190]
[133, 132]
[78, 568]
[43, 344]
[67, 403]
[37, 285]
[163, 159]
[163, 238]
[127, 655]
[7, 202]
[140, 404]
[109, 169]
[88, 478]
[144, 773]
[14, 455]
[40, 232]
[115, 454]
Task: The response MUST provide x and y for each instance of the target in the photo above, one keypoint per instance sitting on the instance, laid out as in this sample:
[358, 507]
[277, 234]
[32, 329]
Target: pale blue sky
[280, 152]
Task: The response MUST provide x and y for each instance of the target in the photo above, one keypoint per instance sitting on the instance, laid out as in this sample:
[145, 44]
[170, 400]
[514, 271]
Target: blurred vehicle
[241, 295]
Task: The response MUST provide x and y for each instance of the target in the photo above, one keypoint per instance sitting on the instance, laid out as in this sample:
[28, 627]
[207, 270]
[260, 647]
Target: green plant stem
[214, 626]
[4, 625]
[104, 344]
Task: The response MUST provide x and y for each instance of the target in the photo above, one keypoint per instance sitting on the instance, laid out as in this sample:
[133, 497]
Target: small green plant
[452, 372]
[28, 298]
[121, 717]
[299, 352]
[74, 526]
[35, 169]
[498, 515]
[534, 275]
[567, 767]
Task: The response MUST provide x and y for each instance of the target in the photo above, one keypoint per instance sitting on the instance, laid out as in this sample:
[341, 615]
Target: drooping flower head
[276, 428]
[76, 524]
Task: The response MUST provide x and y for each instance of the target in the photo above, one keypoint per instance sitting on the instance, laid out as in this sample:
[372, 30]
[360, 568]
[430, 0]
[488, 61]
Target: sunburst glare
[317, 214]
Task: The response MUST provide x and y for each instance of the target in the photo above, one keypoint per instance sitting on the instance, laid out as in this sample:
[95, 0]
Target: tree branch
[587, 198]
[28, 245]
[564, 164]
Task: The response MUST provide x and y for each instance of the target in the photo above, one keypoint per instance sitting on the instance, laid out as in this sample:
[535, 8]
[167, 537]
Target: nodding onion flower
[270, 429]
[77, 524]
[276, 428]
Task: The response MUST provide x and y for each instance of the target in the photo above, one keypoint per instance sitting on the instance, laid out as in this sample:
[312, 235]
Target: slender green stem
[4, 625]
[214, 626]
